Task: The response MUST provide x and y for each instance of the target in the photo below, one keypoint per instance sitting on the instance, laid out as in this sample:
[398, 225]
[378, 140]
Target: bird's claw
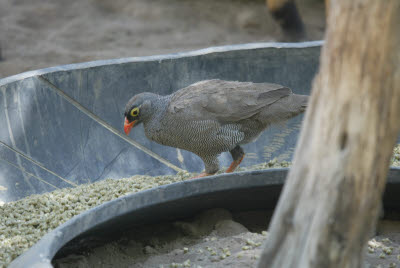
[202, 174]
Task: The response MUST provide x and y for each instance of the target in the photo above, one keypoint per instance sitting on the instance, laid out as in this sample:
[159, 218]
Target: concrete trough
[62, 126]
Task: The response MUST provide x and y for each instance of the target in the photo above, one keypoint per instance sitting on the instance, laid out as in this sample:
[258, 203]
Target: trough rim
[54, 240]
[42, 253]
[210, 50]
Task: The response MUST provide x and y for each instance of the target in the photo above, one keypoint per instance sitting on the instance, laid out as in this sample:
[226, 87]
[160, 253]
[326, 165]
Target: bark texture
[330, 202]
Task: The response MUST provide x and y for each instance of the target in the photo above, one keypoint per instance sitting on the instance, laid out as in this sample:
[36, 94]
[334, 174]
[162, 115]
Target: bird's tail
[293, 105]
[300, 102]
[285, 109]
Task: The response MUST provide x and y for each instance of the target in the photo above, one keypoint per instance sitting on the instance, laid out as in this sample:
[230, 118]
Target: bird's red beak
[128, 126]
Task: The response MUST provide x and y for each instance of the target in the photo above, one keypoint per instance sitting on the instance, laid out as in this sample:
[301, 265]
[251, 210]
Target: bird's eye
[135, 112]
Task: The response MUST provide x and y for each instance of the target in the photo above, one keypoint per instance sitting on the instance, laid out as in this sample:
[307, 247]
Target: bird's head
[137, 110]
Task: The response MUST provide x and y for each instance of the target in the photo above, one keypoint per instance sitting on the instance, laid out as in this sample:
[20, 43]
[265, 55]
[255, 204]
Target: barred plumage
[214, 116]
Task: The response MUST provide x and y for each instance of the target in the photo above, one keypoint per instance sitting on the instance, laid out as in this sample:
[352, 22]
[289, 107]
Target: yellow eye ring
[135, 112]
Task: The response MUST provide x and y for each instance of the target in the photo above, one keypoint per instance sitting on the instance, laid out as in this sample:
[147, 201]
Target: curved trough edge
[217, 49]
[42, 253]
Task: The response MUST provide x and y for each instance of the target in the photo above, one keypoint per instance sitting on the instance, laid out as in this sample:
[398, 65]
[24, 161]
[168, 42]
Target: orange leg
[234, 165]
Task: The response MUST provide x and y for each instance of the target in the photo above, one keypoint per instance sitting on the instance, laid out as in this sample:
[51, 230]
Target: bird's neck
[157, 109]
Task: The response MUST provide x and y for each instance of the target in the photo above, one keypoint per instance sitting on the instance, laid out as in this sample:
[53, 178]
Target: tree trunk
[286, 14]
[330, 202]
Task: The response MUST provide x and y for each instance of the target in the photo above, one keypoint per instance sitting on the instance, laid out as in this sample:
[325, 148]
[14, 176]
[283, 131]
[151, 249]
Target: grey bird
[213, 116]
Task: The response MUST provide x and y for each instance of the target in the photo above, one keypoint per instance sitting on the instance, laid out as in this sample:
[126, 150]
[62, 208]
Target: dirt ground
[214, 238]
[42, 33]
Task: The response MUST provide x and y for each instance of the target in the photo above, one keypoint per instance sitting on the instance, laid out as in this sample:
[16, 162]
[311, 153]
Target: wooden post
[330, 202]
[287, 16]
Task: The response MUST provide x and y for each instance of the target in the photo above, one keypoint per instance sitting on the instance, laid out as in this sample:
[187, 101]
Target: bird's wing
[224, 101]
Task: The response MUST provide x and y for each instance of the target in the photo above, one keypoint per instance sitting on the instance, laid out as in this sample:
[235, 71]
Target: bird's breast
[162, 131]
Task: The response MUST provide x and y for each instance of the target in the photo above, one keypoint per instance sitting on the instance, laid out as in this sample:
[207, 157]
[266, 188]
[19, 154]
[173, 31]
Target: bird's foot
[202, 174]
[234, 165]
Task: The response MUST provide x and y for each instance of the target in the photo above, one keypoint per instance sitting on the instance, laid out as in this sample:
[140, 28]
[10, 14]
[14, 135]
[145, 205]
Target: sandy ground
[42, 33]
[214, 238]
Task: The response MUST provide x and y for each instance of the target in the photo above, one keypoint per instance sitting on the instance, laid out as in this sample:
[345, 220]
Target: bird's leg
[234, 165]
[237, 155]
[211, 164]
